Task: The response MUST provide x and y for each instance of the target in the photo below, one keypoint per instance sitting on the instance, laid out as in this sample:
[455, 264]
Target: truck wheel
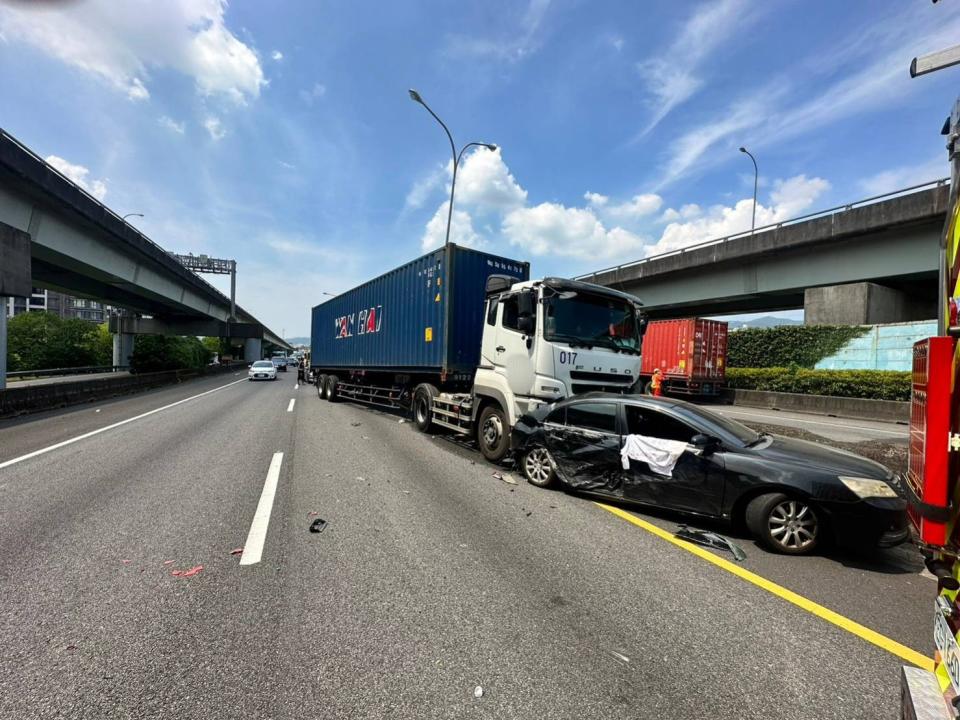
[331, 392]
[493, 433]
[423, 406]
[538, 467]
[321, 383]
[784, 524]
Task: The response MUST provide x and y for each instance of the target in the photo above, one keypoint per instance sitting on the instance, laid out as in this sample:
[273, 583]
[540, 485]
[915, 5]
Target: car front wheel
[538, 467]
[784, 524]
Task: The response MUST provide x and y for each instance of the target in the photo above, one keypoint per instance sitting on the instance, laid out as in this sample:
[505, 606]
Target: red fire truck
[931, 481]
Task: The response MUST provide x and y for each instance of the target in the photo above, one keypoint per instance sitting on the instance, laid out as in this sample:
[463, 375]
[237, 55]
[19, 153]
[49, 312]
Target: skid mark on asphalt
[842, 622]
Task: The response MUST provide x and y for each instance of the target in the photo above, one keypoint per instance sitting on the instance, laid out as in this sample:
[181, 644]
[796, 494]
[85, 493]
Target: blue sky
[282, 134]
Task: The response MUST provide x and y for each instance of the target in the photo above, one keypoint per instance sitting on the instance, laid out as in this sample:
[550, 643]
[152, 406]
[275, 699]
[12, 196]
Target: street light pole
[415, 96]
[139, 215]
[753, 223]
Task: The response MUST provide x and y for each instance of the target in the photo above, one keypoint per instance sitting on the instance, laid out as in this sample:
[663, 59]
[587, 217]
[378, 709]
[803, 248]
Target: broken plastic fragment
[71, 647]
[478, 692]
[187, 573]
[318, 525]
[401, 421]
[710, 539]
[356, 424]
[168, 562]
[359, 478]
[125, 562]
[312, 513]
[237, 551]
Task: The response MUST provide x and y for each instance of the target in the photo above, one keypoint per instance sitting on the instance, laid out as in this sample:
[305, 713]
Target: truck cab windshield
[585, 319]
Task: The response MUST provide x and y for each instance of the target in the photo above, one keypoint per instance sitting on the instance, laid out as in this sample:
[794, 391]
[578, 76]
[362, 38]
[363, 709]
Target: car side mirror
[704, 442]
[250, 365]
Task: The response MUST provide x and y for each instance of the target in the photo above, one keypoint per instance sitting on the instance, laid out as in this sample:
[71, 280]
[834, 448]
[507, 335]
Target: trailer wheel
[321, 383]
[331, 391]
[493, 433]
[423, 397]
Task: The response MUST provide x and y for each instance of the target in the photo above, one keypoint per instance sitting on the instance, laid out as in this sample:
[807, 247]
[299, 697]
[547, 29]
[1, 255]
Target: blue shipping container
[425, 316]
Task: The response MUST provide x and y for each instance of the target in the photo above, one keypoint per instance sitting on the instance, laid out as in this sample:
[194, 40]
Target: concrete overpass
[873, 261]
[79, 246]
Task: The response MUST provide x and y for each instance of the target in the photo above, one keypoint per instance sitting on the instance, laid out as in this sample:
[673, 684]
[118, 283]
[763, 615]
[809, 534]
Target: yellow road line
[844, 623]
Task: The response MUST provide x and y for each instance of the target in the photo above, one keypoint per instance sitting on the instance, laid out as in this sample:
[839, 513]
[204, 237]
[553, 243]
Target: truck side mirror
[527, 303]
[525, 324]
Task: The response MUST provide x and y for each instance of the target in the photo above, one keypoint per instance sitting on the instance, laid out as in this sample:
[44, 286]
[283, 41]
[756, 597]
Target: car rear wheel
[492, 435]
[784, 524]
[538, 467]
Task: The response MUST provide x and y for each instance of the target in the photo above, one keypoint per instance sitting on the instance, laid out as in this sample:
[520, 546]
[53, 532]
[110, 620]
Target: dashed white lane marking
[290, 406]
[49, 448]
[253, 548]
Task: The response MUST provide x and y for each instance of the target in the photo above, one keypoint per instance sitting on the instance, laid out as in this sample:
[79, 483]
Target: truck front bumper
[920, 696]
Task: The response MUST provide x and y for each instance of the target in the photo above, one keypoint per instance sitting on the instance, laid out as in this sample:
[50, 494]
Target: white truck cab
[543, 340]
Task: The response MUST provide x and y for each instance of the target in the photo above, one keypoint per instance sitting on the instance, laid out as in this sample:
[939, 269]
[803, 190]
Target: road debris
[401, 421]
[508, 478]
[187, 573]
[618, 656]
[356, 424]
[359, 478]
[312, 513]
[168, 562]
[364, 437]
[478, 692]
[318, 525]
[71, 647]
[125, 562]
[711, 540]
[237, 551]
[97, 410]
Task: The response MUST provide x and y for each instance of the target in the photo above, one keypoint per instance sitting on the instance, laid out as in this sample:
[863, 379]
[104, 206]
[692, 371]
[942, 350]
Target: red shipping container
[688, 350]
[928, 477]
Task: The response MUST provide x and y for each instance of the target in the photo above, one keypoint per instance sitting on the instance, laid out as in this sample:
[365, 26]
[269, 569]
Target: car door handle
[501, 348]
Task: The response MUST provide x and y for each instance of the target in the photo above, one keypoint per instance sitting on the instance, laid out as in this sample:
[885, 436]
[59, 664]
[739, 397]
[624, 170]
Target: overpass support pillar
[864, 303]
[252, 349]
[3, 342]
[122, 348]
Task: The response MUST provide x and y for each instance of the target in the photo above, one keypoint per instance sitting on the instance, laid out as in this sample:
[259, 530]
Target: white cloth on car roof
[659, 454]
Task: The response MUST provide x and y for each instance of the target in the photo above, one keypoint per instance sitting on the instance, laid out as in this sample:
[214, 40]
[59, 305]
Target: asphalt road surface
[432, 578]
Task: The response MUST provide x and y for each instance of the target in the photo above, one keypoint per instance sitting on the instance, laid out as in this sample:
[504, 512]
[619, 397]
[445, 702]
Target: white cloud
[313, 94]
[485, 182]
[595, 199]
[276, 56]
[631, 210]
[789, 198]
[519, 39]
[671, 76]
[785, 108]
[550, 228]
[215, 127]
[171, 124]
[424, 187]
[121, 42]
[686, 212]
[296, 245]
[80, 175]
[905, 176]
[461, 229]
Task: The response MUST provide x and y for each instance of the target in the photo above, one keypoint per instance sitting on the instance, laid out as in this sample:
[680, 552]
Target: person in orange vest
[656, 383]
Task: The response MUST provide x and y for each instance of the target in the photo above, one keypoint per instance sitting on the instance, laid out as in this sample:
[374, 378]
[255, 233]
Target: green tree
[29, 337]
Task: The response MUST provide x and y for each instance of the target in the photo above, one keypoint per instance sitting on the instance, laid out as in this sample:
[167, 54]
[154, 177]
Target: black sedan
[789, 493]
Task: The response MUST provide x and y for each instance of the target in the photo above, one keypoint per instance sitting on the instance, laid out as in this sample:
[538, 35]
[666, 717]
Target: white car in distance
[262, 370]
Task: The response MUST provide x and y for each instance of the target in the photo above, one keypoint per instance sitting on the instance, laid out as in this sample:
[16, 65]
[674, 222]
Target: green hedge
[154, 353]
[42, 340]
[786, 345]
[872, 384]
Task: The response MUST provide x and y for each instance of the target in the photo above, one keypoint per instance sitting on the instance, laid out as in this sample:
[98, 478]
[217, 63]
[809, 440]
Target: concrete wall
[882, 410]
[863, 303]
[884, 347]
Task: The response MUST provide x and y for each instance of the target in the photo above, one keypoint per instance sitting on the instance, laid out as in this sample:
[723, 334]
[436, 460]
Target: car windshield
[726, 429]
[591, 319]
[263, 364]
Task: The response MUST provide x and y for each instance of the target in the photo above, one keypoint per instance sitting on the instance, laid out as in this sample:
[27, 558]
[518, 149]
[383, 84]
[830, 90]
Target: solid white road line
[72, 440]
[290, 406]
[783, 419]
[253, 548]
